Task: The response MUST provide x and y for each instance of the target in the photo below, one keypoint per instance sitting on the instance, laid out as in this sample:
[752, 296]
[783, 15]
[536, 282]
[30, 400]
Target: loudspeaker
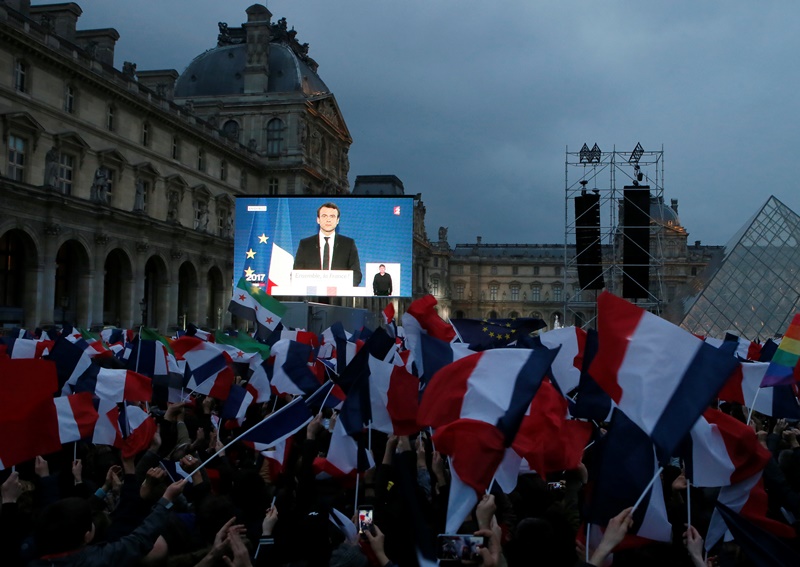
[588, 254]
[636, 242]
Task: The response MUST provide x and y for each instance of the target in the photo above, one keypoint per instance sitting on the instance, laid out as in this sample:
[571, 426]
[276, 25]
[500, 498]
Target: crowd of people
[90, 506]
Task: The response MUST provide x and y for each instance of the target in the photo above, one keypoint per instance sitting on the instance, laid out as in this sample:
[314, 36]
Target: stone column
[202, 298]
[98, 282]
[168, 310]
[139, 263]
[47, 285]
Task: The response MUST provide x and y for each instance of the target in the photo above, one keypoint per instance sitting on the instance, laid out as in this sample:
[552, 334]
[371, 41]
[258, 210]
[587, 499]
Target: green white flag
[251, 302]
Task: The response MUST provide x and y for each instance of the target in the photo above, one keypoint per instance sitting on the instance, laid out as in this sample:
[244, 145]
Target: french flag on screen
[661, 376]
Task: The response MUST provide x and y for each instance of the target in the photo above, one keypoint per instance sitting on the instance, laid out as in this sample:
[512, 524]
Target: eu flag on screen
[484, 334]
[256, 256]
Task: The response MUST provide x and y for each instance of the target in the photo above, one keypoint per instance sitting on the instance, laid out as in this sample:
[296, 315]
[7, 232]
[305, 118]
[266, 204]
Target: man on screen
[327, 250]
[382, 282]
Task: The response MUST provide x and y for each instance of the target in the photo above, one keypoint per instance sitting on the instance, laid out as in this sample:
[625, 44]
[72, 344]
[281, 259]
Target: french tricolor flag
[484, 398]
[290, 369]
[659, 375]
[722, 451]
[235, 407]
[749, 499]
[744, 387]
[25, 348]
[116, 385]
[210, 367]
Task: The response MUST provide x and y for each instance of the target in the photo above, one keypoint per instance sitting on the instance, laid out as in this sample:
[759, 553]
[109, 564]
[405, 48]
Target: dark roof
[378, 185]
[510, 250]
[220, 71]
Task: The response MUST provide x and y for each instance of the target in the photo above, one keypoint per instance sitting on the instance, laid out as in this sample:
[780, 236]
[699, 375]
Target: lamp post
[143, 309]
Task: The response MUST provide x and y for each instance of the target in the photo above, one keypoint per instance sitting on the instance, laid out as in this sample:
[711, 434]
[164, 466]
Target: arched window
[274, 137]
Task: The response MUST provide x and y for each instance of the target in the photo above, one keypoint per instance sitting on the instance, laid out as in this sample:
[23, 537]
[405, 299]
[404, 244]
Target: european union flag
[484, 334]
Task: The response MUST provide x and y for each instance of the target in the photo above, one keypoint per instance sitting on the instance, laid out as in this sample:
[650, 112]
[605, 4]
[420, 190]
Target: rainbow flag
[783, 368]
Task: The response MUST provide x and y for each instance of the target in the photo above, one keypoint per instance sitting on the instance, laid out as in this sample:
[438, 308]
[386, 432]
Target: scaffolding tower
[607, 174]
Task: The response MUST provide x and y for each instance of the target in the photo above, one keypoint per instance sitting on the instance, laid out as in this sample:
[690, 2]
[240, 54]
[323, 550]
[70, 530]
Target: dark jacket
[126, 551]
[345, 256]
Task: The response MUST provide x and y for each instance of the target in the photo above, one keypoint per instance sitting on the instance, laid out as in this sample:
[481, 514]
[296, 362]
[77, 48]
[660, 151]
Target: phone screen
[459, 546]
[364, 519]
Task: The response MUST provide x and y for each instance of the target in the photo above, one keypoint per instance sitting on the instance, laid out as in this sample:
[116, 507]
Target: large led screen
[281, 245]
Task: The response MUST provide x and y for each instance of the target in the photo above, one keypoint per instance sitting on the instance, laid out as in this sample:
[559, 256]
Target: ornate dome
[663, 214]
[220, 72]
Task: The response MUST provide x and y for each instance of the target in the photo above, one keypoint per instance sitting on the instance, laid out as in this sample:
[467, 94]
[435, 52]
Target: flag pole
[753, 405]
[647, 488]
[355, 504]
[688, 503]
[326, 397]
[139, 349]
[588, 532]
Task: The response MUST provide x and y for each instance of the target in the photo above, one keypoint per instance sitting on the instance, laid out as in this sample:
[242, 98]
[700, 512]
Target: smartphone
[364, 519]
[462, 547]
[556, 485]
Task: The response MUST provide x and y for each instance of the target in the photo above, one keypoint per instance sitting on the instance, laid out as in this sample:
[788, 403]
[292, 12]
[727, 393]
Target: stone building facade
[117, 187]
[481, 280]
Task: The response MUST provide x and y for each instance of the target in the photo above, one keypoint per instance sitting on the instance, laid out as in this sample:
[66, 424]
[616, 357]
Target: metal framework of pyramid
[753, 288]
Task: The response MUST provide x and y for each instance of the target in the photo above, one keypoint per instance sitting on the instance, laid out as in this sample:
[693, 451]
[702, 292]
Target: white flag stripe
[566, 375]
[379, 380]
[111, 384]
[67, 427]
[491, 384]
[647, 362]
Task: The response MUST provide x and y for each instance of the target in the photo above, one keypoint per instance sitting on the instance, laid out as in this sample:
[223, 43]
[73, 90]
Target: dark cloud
[473, 104]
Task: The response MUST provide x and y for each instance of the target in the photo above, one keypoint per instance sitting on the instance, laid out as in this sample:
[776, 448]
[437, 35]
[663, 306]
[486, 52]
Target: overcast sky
[474, 104]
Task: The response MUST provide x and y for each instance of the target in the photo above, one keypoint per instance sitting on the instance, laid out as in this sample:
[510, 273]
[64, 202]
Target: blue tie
[326, 255]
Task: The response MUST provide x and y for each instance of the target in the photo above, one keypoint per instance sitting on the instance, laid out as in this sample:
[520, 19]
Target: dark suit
[344, 257]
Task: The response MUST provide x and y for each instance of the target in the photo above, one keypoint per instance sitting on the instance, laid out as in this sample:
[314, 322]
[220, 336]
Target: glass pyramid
[753, 288]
